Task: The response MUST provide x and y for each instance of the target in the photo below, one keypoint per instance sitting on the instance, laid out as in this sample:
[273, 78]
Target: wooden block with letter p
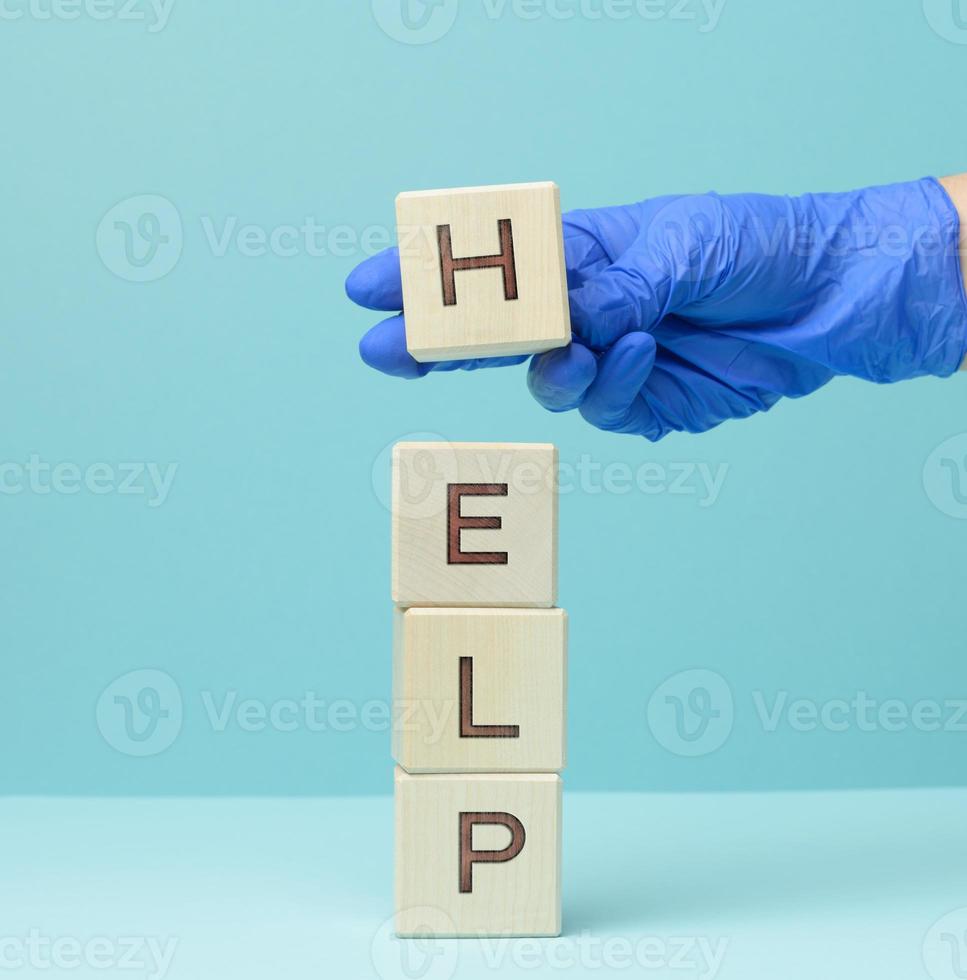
[483, 271]
[478, 855]
[474, 524]
[479, 690]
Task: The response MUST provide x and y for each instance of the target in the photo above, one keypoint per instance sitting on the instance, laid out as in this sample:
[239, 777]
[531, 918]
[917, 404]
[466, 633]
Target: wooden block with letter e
[479, 690]
[478, 855]
[474, 524]
[483, 271]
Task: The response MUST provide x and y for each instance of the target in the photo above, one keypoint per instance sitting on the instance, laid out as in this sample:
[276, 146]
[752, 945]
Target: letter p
[469, 857]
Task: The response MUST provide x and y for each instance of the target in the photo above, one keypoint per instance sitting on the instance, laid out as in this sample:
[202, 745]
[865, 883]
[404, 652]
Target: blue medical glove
[687, 311]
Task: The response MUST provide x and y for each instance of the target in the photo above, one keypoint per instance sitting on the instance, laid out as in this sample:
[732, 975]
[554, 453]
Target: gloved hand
[687, 311]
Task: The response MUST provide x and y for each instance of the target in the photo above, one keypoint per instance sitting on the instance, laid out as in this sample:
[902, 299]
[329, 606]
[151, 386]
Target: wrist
[956, 188]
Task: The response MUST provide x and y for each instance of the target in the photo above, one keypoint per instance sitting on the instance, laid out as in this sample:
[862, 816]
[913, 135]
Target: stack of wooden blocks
[480, 651]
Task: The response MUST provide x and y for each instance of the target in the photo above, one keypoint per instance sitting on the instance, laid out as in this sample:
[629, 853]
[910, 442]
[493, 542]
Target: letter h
[504, 260]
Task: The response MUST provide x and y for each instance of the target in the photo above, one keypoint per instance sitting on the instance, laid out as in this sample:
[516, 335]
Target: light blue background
[822, 569]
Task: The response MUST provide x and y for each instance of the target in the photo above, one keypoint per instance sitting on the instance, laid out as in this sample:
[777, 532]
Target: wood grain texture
[491, 543]
[480, 690]
[483, 271]
[514, 890]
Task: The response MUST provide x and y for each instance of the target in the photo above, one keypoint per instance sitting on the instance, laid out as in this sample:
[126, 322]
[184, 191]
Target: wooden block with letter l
[474, 524]
[483, 271]
[478, 855]
[479, 690]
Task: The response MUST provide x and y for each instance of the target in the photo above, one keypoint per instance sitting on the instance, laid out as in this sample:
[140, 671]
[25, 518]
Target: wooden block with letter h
[483, 271]
[479, 689]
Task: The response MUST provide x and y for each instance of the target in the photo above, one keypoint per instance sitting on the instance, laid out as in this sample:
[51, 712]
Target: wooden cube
[483, 271]
[479, 690]
[482, 852]
[474, 524]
